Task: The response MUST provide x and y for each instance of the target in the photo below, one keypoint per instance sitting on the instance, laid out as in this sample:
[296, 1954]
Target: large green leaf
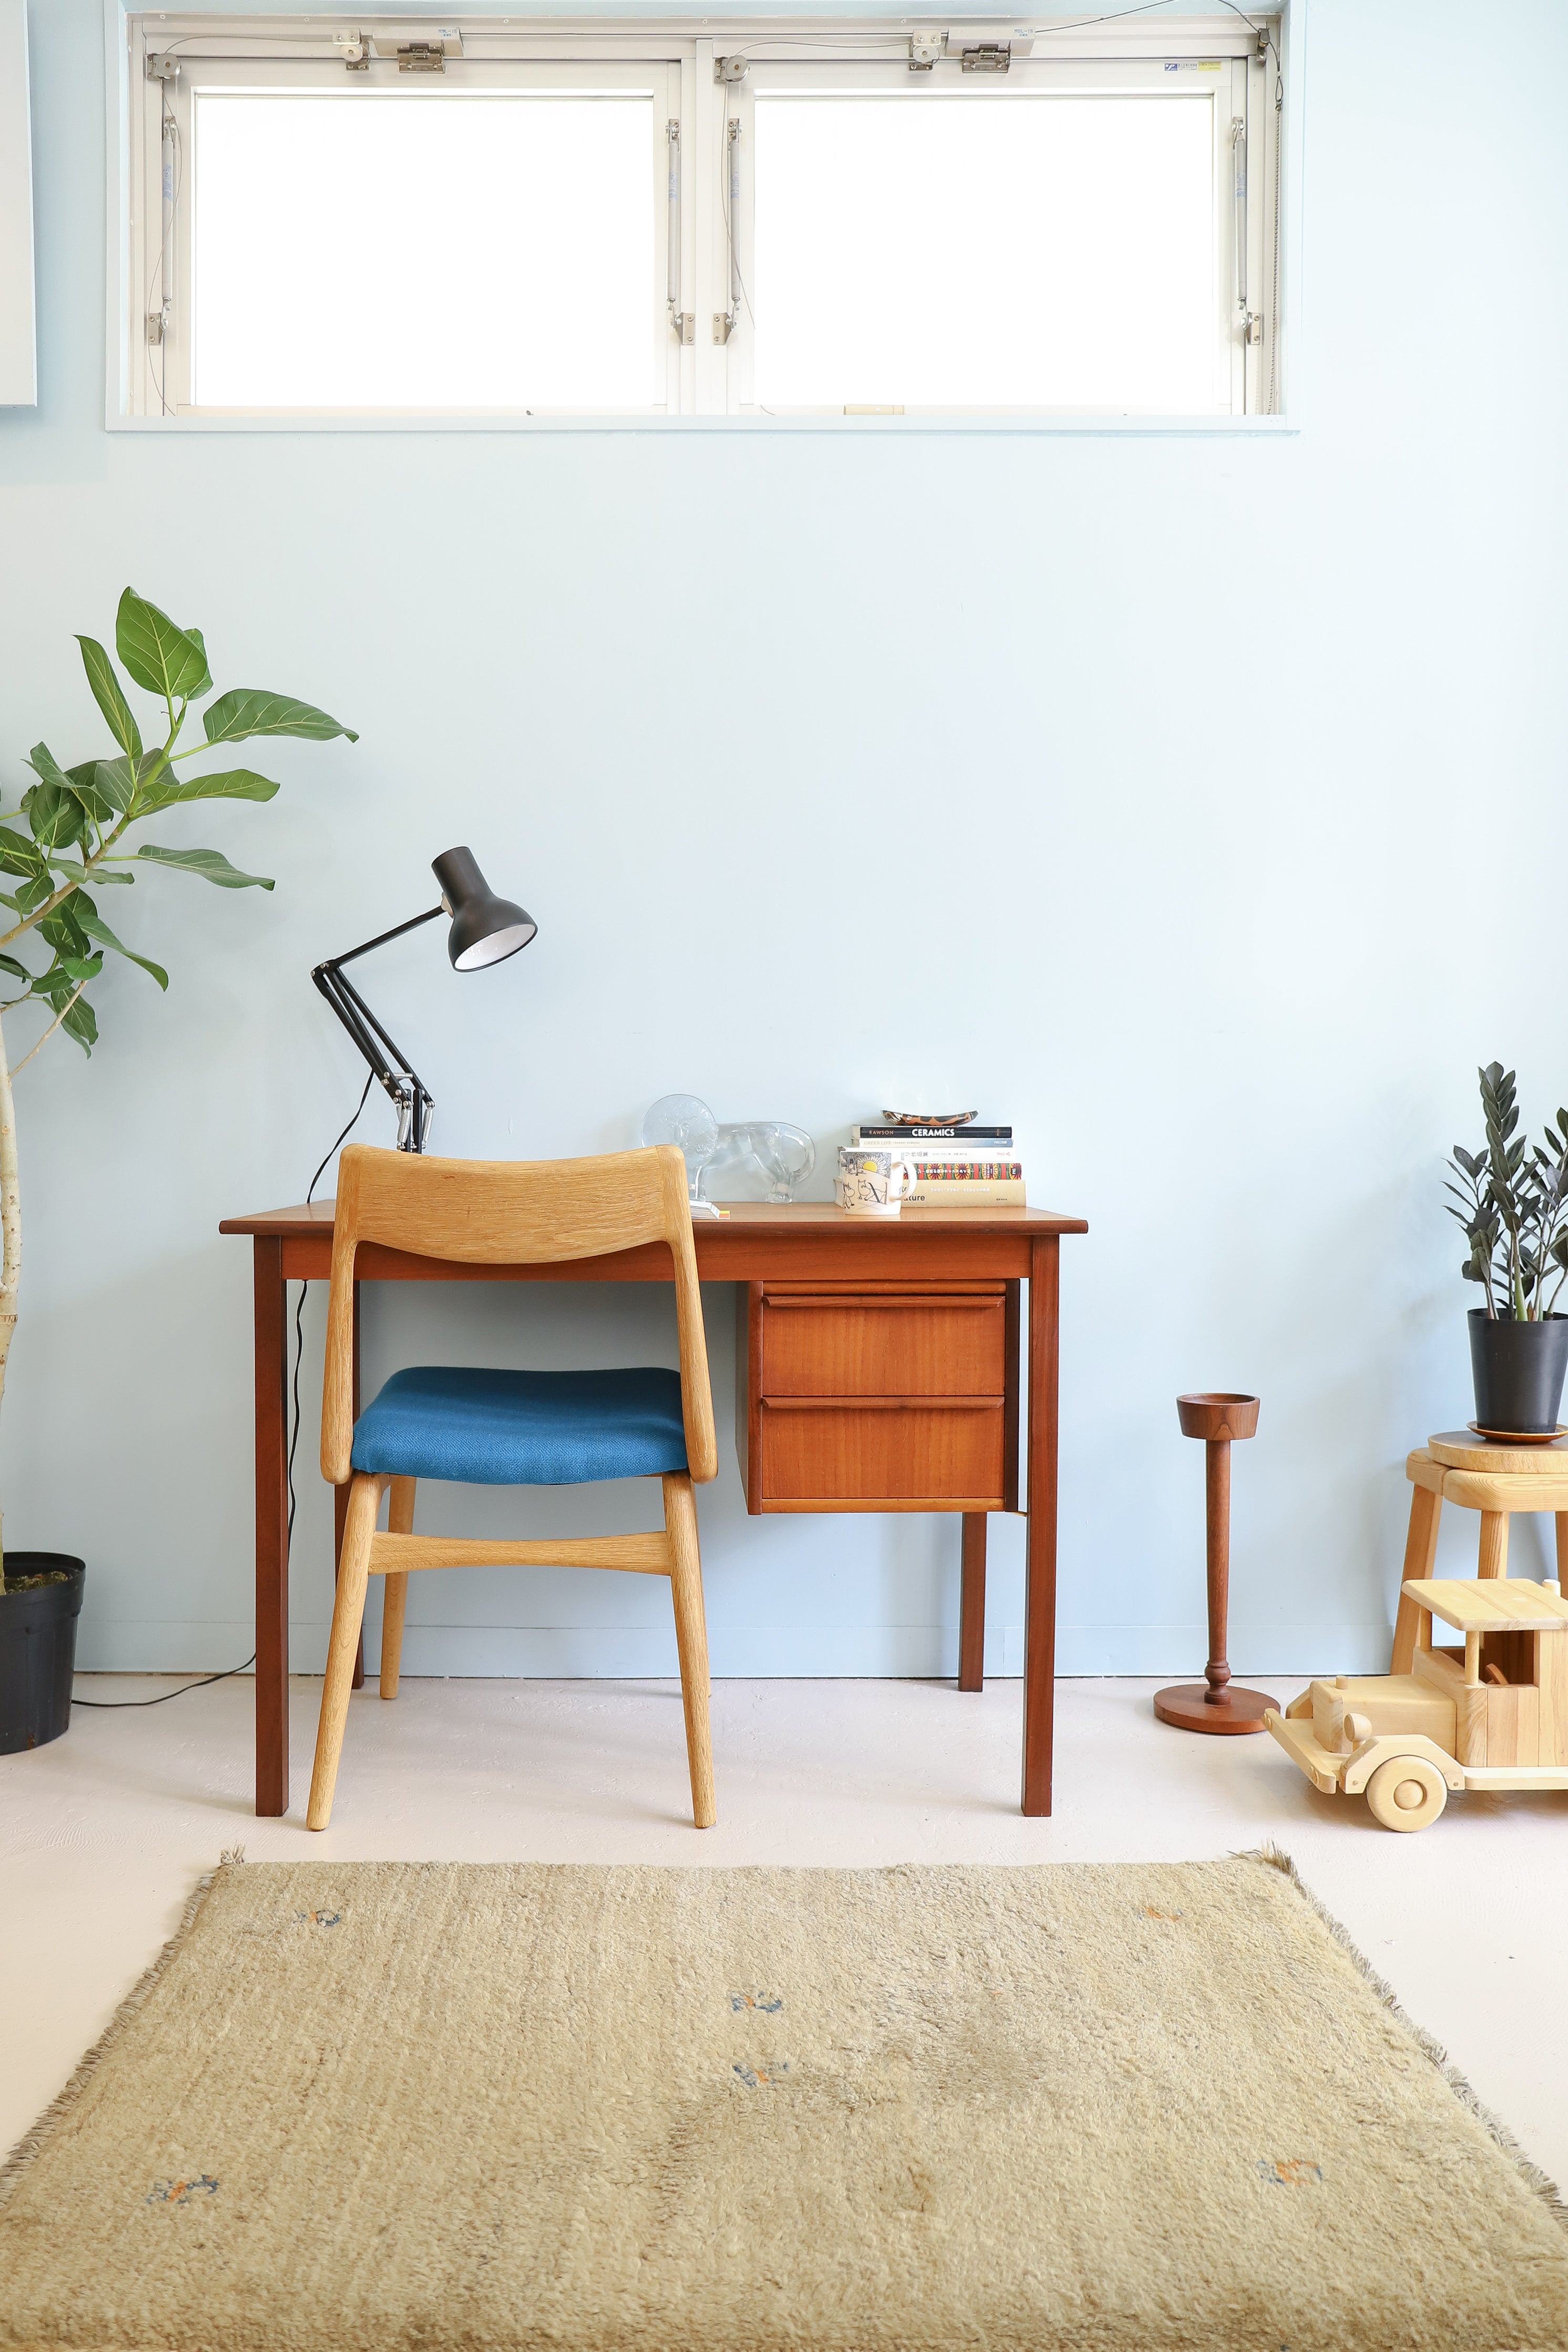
[17, 971]
[165, 659]
[233, 784]
[245, 710]
[210, 864]
[119, 781]
[62, 931]
[82, 1023]
[55, 814]
[85, 781]
[90, 918]
[18, 854]
[109, 697]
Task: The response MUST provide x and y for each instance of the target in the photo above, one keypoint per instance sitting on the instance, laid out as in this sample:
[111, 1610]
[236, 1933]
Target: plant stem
[10, 1236]
[34, 1049]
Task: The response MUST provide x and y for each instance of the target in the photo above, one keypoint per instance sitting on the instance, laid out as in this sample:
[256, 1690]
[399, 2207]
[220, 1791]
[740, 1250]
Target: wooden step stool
[1478, 1476]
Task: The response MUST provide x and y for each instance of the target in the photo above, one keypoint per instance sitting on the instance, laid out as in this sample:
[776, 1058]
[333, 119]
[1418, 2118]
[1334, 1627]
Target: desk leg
[271, 1529]
[1039, 1600]
[341, 1502]
[972, 1605]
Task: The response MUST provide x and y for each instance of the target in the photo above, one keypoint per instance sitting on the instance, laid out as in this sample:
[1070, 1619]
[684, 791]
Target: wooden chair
[501, 1428]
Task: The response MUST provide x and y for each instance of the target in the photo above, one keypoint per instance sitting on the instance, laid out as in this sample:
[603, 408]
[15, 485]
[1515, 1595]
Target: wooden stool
[1478, 1476]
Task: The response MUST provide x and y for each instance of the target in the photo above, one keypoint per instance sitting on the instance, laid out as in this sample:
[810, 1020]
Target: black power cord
[229, 1672]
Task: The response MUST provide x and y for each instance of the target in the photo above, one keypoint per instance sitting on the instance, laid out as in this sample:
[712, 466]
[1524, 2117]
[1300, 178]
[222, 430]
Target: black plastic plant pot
[38, 1647]
[1518, 1369]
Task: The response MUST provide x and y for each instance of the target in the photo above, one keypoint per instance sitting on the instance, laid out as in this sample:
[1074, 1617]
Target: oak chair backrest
[513, 1212]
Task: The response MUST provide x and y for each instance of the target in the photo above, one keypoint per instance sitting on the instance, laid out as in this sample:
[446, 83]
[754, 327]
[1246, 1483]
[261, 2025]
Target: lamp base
[1189, 1707]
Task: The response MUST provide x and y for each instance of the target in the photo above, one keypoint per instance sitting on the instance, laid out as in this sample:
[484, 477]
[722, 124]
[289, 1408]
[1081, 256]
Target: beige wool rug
[439, 2107]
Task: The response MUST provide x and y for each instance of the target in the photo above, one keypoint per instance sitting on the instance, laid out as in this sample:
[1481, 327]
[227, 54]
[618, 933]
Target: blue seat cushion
[523, 1429]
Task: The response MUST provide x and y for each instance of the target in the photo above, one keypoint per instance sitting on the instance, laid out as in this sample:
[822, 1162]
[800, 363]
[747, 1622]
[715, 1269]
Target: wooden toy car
[1491, 1716]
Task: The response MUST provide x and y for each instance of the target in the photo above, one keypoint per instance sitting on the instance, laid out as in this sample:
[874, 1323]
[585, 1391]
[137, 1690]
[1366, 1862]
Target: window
[499, 221]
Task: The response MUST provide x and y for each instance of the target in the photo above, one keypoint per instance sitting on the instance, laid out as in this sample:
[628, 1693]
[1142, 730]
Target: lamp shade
[485, 928]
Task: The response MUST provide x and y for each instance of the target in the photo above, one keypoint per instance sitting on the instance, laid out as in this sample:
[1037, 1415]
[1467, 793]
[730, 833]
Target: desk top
[820, 1219]
[807, 1241]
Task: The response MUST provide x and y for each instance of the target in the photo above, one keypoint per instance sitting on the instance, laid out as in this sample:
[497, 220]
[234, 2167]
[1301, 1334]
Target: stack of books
[968, 1167]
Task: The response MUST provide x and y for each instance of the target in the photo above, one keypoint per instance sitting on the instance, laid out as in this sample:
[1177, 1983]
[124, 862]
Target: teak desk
[877, 1370]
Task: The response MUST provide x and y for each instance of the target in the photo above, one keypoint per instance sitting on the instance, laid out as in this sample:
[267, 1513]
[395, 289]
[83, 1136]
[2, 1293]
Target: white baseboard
[743, 1653]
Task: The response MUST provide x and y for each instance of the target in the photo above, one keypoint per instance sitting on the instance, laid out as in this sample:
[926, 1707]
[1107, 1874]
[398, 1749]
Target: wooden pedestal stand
[1216, 1703]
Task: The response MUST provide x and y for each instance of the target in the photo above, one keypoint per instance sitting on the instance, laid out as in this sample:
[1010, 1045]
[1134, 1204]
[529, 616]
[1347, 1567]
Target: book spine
[936, 1170]
[914, 1135]
[970, 1195]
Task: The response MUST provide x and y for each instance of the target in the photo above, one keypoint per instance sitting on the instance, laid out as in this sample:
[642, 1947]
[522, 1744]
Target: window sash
[1240, 376]
[168, 388]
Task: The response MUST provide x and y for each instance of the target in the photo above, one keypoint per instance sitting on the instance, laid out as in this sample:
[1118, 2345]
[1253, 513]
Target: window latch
[987, 56]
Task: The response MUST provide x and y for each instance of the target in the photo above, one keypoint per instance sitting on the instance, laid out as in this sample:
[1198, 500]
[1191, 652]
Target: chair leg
[348, 1615]
[691, 1639]
[1420, 1552]
[400, 1522]
[1493, 1544]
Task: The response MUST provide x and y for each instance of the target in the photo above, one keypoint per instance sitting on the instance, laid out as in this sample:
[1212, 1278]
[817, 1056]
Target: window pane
[1005, 250]
[423, 251]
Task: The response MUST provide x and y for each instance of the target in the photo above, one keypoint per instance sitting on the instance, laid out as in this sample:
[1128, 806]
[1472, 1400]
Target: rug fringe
[33, 2142]
[1273, 1857]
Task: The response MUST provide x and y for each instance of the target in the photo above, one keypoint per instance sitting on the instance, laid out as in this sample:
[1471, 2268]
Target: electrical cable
[299, 1310]
[294, 1439]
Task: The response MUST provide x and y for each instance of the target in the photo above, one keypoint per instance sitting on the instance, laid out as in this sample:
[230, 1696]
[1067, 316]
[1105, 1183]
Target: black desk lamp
[485, 929]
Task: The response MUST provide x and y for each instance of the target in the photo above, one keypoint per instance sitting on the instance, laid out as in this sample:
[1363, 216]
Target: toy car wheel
[1406, 1793]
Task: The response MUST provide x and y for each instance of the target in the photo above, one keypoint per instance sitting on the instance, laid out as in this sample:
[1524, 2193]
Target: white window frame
[707, 378]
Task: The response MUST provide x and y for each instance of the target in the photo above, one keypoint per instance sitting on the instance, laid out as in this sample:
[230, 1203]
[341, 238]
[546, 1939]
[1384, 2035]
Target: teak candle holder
[1216, 1703]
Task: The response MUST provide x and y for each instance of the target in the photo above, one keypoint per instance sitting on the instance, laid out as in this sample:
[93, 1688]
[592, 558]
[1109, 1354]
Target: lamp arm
[389, 1064]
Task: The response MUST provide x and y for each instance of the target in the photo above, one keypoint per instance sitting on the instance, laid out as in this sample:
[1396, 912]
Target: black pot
[1518, 1369]
[38, 1650]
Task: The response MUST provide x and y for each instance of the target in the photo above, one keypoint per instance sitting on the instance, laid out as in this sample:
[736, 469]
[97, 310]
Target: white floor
[102, 1833]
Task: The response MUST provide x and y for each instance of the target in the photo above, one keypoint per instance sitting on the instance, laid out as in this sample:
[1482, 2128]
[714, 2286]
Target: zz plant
[68, 842]
[1512, 1202]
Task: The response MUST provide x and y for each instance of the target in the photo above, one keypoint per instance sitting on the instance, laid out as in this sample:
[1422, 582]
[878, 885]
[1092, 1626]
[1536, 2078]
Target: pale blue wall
[1199, 803]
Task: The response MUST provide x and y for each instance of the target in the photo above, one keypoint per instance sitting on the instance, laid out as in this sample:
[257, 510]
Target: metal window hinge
[354, 50]
[729, 68]
[924, 49]
[419, 48]
[1253, 325]
[163, 69]
[989, 56]
[683, 326]
[723, 326]
[158, 323]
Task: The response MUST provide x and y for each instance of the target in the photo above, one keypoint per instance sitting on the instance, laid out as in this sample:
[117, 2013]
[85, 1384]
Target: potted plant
[1512, 1202]
[64, 845]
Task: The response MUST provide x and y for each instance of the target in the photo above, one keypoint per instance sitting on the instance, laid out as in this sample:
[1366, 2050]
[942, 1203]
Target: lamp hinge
[987, 56]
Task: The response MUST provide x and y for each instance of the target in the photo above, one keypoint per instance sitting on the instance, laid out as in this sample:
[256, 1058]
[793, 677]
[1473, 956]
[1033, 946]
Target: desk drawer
[886, 1454]
[913, 1345]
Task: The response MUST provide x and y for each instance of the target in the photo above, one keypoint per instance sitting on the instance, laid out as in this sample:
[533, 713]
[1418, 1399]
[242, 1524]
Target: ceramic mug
[872, 1180]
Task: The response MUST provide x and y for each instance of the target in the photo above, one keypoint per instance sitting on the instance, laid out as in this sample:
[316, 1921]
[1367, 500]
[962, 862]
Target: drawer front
[880, 1456]
[884, 1347]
